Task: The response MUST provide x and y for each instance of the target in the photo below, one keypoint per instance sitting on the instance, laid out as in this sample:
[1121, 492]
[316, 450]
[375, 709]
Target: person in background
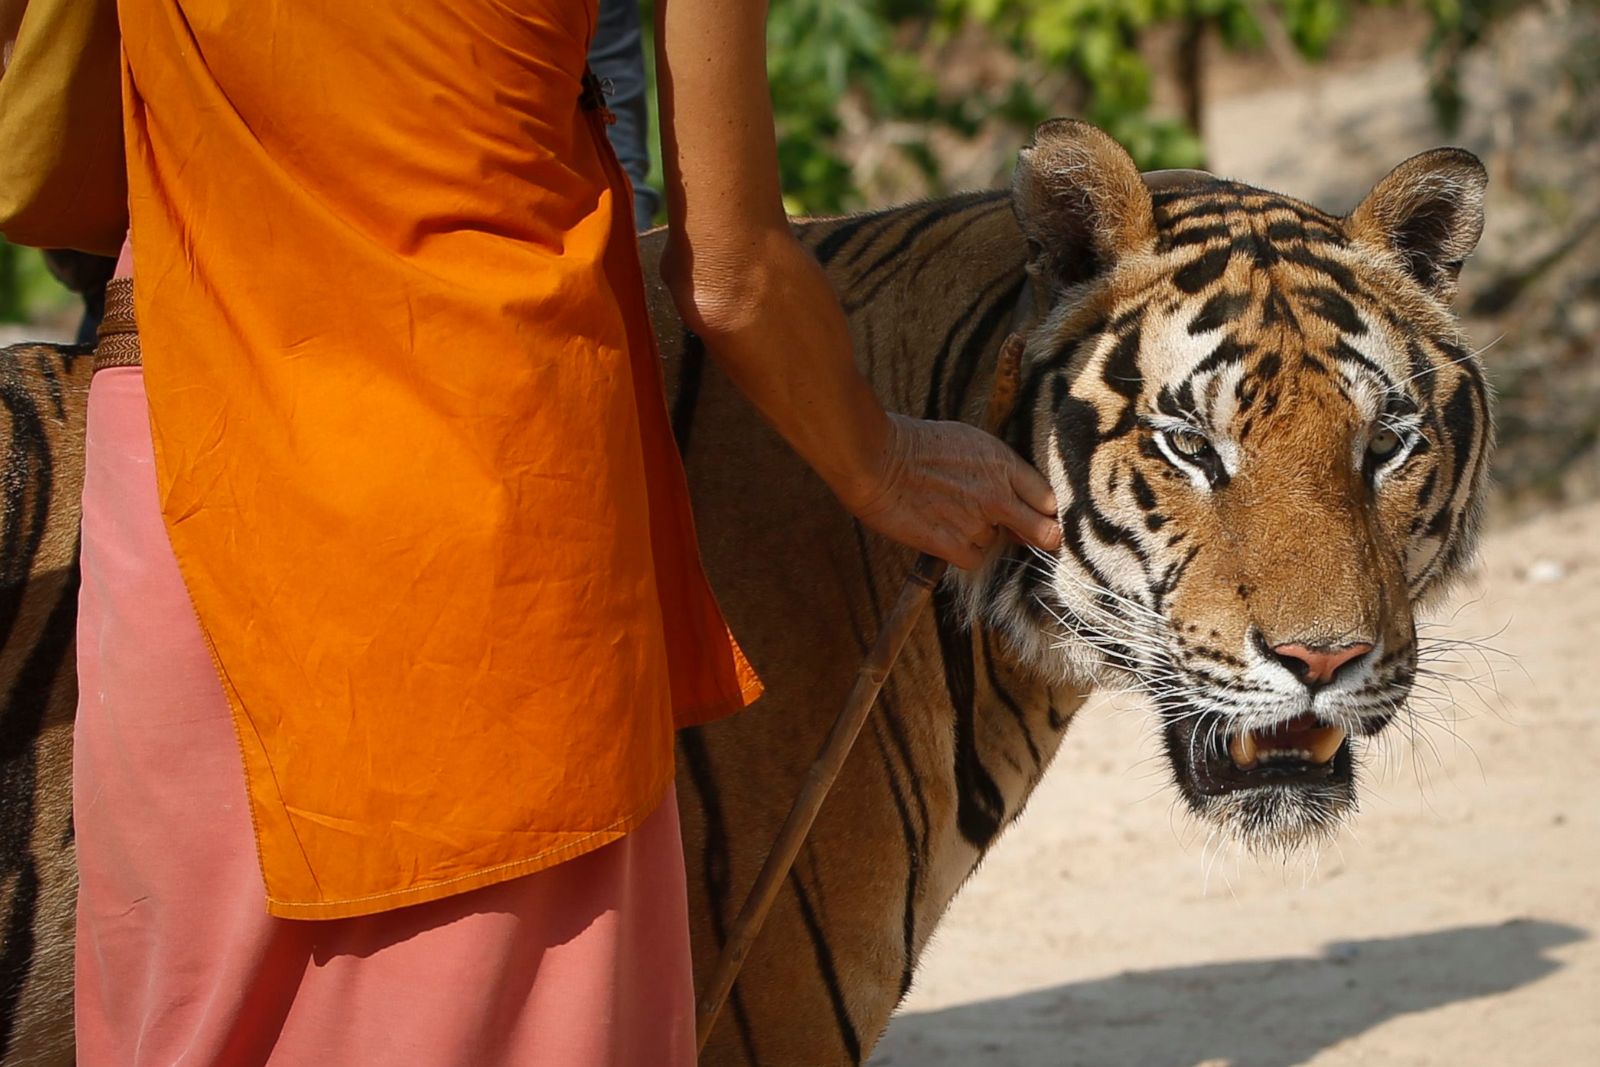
[617, 59]
[85, 274]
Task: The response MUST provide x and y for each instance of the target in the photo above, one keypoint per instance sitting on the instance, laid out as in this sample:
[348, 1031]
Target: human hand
[945, 488]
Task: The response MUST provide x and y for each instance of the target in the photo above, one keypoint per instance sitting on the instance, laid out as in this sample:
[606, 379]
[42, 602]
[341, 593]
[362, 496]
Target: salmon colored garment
[411, 444]
[177, 965]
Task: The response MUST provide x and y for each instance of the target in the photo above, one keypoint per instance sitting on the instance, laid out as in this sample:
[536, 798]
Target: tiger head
[1268, 444]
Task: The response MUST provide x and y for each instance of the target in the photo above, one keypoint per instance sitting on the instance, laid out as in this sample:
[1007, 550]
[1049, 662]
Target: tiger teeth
[1324, 743]
[1317, 745]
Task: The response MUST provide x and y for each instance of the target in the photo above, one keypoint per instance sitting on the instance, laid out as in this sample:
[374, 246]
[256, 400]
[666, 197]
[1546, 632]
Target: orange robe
[411, 443]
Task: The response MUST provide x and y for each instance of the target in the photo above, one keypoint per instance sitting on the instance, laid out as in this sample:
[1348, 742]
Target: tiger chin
[1268, 441]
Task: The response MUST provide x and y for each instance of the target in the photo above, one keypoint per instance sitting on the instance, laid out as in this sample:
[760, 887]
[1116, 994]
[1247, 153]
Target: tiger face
[1268, 443]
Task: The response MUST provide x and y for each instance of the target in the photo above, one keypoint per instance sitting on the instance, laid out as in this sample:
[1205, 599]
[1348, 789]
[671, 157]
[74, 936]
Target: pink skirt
[177, 959]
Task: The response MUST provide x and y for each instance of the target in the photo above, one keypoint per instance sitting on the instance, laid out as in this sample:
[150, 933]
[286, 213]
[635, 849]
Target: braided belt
[118, 342]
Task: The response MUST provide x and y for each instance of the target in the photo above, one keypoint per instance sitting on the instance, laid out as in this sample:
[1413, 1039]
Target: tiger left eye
[1189, 443]
[1384, 443]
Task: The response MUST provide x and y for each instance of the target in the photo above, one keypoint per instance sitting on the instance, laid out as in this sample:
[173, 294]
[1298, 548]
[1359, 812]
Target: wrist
[862, 461]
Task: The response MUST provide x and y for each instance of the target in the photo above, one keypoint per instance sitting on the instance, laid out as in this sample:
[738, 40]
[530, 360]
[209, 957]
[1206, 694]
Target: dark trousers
[616, 56]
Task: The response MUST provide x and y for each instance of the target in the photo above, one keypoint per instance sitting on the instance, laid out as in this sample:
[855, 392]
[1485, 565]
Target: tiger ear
[1429, 211]
[1080, 202]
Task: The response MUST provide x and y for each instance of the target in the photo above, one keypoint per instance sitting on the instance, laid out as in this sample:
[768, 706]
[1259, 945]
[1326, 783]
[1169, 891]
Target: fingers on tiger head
[1032, 487]
[1036, 528]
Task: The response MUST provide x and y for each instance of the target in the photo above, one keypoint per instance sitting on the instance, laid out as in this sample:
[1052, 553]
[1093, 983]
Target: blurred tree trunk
[10, 283]
[1189, 66]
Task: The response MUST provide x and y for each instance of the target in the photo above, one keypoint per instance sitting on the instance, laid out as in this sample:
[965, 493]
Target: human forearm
[770, 319]
[757, 298]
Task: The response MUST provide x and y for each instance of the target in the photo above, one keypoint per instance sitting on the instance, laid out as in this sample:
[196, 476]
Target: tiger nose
[1318, 666]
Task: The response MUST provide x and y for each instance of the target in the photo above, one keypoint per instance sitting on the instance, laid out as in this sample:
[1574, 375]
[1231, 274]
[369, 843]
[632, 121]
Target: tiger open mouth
[1217, 759]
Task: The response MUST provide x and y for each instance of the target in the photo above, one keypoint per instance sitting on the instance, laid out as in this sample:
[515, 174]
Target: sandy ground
[1457, 924]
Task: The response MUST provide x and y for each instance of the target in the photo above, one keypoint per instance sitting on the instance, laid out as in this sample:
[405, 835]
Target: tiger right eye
[1384, 443]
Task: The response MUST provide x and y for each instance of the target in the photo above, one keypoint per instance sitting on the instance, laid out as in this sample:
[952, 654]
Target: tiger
[45, 390]
[1269, 445]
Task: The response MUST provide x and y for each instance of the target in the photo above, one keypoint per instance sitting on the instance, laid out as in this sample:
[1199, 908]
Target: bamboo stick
[914, 596]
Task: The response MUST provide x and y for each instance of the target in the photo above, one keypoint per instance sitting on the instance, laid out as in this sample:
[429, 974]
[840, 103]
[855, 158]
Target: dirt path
[1458, 925]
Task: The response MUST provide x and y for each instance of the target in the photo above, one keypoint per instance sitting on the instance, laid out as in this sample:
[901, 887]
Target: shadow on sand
[1262, 1013]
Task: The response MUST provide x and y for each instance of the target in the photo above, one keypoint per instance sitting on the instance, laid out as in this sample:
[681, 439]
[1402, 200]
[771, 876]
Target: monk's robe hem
[421, 894]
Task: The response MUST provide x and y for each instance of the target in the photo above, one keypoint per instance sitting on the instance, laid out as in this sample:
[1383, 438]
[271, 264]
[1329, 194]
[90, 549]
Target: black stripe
[835, 240]
[1421, 372]
[1077, 438]
[1121, 371]
[16, 955]
[980, 807]
[1264, 254]
[1219, 310]
[985, 300]
[931, 253]
[715, 863]
[984, 338]
[1226, 354]
[1460, 422]
[1338, 273]
[1206, 209]
[889, 218]
[23, 717]
[28, 477]
[830, 975]
[1019, 430]
[691, 370]
[888, 709]
[908, 832]
[1344, 353]
[1143, 495]
[1203, 270]
[932, 214]
[1334, 308]
[887, 721]
[1196, 235]
[1009, 701]
[858, 298]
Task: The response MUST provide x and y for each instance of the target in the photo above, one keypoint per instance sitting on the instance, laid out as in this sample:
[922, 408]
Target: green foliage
[28, 292]
[870, 55]
[825, 53]
[1458, 27]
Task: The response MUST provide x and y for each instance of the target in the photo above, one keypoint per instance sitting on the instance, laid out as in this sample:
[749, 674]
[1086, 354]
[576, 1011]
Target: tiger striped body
[44, 389]
[960, 735]
[1215, 377]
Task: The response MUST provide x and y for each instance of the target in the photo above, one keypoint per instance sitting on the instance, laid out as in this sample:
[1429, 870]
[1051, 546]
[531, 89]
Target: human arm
[768, 315]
